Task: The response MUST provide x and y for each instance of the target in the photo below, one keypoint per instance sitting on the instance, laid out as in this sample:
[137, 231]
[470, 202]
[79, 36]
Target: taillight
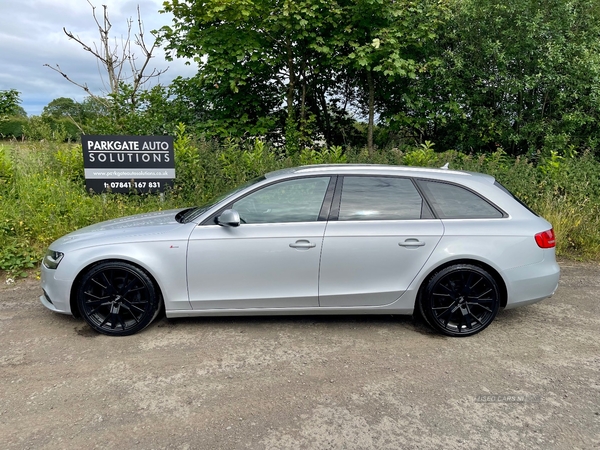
[546, 239]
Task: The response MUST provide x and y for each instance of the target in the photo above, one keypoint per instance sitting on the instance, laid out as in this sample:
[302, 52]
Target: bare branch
[75, 123]
[82, 86]
[59, 70]
[86, 47]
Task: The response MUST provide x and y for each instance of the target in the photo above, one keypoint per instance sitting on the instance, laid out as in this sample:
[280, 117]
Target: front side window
[193, 213]
[298, 200]
[454, 202]
[379, 198]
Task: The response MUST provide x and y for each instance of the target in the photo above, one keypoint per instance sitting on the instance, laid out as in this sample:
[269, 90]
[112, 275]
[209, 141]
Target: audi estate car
[453, 246]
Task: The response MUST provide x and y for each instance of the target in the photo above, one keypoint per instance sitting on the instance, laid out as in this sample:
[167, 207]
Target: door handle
[411, 242]
[303, 244]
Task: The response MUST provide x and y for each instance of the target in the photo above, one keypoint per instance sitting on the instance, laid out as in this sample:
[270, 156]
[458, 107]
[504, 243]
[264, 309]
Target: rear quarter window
[450, 201]
[521, 202]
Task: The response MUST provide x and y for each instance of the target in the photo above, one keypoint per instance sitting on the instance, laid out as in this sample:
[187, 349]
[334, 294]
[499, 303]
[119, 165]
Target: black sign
[128, 164]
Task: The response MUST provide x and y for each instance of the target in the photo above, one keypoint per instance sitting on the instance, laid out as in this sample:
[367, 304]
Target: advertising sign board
[128, 164]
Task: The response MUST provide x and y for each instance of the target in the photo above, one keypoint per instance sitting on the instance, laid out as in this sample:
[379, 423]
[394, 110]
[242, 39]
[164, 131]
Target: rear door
[379, 236]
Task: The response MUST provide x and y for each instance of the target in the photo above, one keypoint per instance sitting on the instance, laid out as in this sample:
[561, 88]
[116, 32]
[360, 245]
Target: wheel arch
[73, 294]
[491, 270]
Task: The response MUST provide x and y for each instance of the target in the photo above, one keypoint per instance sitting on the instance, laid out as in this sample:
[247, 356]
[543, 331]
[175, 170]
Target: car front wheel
[117, 298]
[460, 300]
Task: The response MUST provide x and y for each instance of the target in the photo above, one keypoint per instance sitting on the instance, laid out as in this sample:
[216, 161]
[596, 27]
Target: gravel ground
[531, 380]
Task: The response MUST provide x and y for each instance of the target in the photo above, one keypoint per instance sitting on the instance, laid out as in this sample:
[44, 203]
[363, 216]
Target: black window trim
[426, 209]
[327, 201]
[436, 212]
[212, 219]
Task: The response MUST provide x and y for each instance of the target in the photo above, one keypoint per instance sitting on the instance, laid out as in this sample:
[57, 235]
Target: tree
[19, 111]
[62, 107]
[384, 41]
[265, 46]
[313, 54]
[119, 62]
[156, 113]
[9, 103]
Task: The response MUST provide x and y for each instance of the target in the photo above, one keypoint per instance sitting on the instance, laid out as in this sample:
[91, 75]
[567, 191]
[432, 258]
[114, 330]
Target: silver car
[332, 239]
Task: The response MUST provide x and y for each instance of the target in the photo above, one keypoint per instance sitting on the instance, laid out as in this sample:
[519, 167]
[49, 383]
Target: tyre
[460, 300]
[117, 298]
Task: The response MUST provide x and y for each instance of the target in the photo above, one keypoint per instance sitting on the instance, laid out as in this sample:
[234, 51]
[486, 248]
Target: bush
[52, 129]
[6, 169]
[12, 127]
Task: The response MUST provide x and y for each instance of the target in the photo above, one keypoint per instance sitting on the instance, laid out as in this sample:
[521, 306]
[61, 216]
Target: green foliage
[292, 137]
[62, 107]
[239, 164]
[553, 165]
[16, 258]
[189, 171]
[330, 155]
[422, 156]
[12, 127]
[45, 128]
[519, 74]
[294, 68]
[143, 112]
[472, 75]
[68, 163]
[9, 103]
[214, 111]
[6, 169]
[258, 159]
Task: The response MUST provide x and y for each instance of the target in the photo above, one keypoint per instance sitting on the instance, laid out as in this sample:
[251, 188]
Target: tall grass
[43, 196]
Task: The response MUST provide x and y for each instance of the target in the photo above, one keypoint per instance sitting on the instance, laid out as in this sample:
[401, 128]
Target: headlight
[52, 259]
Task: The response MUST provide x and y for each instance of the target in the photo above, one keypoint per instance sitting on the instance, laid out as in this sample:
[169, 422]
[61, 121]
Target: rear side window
[450, 201]
[379, 198]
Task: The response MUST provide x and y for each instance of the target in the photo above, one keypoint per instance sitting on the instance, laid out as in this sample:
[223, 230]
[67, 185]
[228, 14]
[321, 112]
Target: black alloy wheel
[117, 299]
[460, 300]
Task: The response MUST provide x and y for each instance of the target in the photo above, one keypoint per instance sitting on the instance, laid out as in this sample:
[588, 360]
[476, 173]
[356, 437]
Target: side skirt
[286, 311]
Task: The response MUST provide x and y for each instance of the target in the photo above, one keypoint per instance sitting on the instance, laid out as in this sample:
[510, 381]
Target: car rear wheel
[460, 300]
[117, 298]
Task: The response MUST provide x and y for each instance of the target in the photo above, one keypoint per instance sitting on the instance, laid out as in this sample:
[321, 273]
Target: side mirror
[229, 218]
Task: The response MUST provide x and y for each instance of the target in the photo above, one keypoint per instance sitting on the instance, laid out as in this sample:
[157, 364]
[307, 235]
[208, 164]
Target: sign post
[128, 164]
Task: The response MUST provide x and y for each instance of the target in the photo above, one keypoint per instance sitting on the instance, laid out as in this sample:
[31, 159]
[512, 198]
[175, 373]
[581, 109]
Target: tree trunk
[371, 112]
[303, 100]
[292, 79]
[326, 122]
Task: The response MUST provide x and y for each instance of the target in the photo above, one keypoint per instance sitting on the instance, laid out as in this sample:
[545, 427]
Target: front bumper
[57, 292]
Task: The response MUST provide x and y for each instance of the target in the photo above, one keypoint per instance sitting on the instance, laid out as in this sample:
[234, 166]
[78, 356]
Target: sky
[31, 35]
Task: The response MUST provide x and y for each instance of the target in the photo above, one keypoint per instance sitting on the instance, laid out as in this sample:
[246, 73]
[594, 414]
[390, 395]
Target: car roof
[382, 169]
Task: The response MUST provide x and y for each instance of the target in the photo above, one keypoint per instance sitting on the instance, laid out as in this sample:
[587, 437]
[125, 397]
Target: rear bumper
[532, 283]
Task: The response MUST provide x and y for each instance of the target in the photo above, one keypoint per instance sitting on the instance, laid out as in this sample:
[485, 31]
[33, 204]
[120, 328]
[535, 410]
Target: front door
[271, 260]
